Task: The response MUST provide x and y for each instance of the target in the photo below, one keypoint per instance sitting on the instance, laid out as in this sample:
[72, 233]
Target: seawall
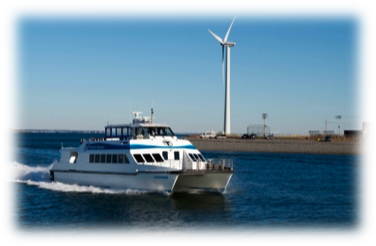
[302, 146]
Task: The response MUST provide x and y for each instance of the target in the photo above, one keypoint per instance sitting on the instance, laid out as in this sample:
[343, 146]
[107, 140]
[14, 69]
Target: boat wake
[22, 172]
[40, 176]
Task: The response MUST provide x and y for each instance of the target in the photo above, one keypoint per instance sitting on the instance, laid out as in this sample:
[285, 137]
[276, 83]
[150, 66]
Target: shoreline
[292, 146]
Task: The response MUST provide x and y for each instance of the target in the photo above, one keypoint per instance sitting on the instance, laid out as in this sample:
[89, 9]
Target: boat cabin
[139, 131]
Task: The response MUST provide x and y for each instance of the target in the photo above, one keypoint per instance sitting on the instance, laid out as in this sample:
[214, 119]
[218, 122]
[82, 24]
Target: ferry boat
[142, 156]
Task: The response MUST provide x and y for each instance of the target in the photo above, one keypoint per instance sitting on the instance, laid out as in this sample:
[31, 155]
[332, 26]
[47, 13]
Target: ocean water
[272, 191]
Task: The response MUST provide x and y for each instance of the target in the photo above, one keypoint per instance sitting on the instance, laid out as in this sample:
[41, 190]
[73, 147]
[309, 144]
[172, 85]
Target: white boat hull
[209, 181]
[169, 182]
[139, 181]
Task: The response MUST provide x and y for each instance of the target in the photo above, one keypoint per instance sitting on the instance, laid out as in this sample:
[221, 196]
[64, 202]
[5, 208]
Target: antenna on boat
[130, 111]
[137, 119]
[151, 117]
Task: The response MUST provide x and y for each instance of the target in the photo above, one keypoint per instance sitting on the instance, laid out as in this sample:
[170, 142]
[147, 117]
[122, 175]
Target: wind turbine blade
[223, 69]
[216, 37]
[228, 31]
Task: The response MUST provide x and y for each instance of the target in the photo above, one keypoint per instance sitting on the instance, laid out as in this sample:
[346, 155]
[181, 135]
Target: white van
[208, 134]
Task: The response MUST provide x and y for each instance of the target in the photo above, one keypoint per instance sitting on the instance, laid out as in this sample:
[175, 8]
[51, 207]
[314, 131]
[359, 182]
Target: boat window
[108, 158]
[121, 158]
[150, 131]
[160, 131]
[108, 131]
[113, 132]
[176, 155]
[140, 131]
[196, 156]
[126, 161]
[148, 158]
[192, 157]
[201, 157]
[165, 155]
[97, 158]
[118, 131]
[125, 131]
[143, 132]
[155, 131]
[138, 158]
[73, 157]
[158, 157]
[169, 131]
[114, 158]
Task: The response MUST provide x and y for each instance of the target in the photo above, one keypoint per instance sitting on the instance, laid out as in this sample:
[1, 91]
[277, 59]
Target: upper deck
[141, 128]
[139, 131]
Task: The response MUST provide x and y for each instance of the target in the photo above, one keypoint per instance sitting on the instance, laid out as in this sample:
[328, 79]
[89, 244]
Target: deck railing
[220, 164]
[210, 164]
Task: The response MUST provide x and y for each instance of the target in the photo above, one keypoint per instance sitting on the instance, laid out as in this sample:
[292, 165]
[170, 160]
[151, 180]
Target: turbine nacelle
[229, 44]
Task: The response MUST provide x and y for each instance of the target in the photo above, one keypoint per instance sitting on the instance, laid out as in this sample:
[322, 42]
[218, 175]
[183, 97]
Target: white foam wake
[40, 177]
[23, 172]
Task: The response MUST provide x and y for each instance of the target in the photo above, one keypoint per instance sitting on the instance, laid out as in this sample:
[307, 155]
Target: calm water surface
[266, 191]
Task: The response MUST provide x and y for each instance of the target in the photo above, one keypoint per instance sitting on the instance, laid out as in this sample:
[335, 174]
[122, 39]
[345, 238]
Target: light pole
[339, 117]
[264, 116]
[326, 126]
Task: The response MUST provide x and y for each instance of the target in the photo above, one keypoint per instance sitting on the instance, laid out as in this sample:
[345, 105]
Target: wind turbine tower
[226, 44]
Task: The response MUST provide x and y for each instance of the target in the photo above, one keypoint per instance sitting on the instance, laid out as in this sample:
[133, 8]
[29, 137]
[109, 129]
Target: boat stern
[216, 181]
[213, 175]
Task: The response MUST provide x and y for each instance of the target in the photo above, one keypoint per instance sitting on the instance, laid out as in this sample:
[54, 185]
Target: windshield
[159, 131]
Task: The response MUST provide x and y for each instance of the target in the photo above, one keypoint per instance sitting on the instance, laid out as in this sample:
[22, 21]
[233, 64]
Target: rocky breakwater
[303, 146]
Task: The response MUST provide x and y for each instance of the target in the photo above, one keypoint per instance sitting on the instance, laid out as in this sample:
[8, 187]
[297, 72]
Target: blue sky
[77, 73]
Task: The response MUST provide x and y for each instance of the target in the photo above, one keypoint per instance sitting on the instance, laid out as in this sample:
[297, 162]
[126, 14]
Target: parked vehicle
[328, 139]
[268, 136]
[208, 134]
[221, 135]
[251, 136]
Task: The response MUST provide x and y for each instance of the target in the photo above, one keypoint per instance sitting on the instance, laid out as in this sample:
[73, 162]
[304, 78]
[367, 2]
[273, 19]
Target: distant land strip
[293, 146]
[273, 145]
[55, 131]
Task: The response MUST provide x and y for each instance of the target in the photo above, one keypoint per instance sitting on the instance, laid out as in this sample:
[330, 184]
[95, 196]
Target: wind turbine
[225, 44]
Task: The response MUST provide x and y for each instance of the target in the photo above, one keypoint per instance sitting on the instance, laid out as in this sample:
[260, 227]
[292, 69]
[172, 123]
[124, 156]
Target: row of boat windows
[121, 158]
[140, 158]
[196, 157]
[108, 158]
[150, 158]
[119, 131]
[128, 131]
[155, 157]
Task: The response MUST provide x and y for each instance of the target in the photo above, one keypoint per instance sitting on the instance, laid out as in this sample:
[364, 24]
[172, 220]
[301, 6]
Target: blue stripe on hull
[140, 146]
